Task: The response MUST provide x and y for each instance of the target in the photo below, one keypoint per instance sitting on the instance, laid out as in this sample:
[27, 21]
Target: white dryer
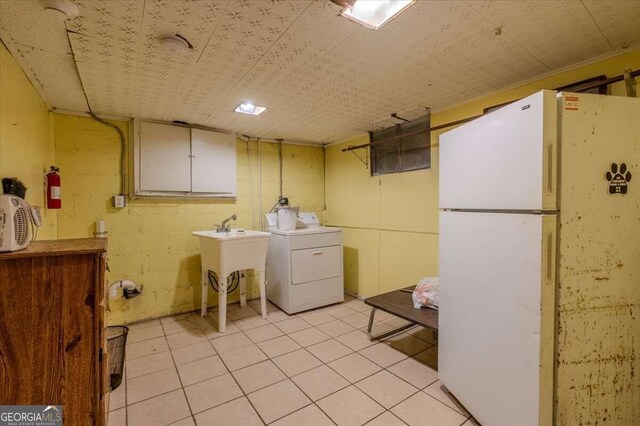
[304, 265]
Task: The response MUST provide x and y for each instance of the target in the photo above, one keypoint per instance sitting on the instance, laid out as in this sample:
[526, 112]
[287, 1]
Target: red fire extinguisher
[54, 200]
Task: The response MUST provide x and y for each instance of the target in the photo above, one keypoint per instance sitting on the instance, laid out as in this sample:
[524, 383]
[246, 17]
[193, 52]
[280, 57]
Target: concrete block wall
[150, 240]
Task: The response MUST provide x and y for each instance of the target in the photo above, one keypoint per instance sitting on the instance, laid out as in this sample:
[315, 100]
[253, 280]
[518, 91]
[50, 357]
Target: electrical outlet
[36, 215]
[118, 201]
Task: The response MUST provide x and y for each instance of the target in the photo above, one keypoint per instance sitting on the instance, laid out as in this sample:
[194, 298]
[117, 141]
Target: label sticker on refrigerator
[618, 178]
[571, 103]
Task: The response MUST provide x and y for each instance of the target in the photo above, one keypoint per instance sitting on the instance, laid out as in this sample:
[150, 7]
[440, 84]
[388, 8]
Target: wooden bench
[400, 304]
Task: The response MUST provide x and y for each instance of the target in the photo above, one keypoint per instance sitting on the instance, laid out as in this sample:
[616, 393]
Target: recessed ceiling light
[373, 13]
[249, 108]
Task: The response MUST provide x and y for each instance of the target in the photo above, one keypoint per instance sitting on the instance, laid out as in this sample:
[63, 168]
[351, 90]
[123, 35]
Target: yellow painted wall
[26, 142]
[391, 222]
[391, 240]
[150, 241]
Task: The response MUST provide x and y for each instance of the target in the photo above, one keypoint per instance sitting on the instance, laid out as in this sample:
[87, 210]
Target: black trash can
[116, 344]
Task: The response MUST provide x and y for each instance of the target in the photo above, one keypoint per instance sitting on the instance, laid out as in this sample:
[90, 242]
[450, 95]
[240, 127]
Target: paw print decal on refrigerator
[618, 178]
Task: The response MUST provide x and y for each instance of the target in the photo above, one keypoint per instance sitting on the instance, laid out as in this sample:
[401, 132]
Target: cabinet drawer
[316, 264]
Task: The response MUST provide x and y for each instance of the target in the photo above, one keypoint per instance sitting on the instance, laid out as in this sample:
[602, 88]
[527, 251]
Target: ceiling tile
[619, 21]
[556, 33]
[323, 77]
[26, 23]
[61, 82]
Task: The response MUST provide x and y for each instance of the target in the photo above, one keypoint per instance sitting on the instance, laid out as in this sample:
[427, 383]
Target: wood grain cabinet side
[52, 328]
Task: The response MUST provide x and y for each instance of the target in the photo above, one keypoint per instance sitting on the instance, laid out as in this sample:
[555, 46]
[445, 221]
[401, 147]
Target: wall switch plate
[118, 201]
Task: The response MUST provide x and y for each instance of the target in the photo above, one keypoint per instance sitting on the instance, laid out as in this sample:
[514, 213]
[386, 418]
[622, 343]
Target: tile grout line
[176, 369]
[219, 354]
[244, 394]
[147, 399]
[381, 414]
[418, 390]
[126, 406]
[296, 385]
[269, 358]
[289, 378]
[458, 412]
[175, 366]
[185, 314]
[325, 364]
[286, 377]
[349, 384]
[170, 350]
[274, 338]
[302, 408]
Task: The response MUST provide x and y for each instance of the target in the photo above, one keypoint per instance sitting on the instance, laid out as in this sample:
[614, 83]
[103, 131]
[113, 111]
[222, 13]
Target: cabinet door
[165, 163]
[213, 162]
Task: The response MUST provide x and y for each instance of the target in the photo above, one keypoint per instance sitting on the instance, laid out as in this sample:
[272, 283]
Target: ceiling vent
[65, 7]
[175, 43]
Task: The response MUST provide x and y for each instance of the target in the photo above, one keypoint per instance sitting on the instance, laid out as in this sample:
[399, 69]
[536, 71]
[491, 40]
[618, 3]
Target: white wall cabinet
[165, 158]
[213, 162]
[180, 161]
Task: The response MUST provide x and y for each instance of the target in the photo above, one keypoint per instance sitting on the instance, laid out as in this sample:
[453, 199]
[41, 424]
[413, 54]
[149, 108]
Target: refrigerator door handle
[550, 254]
[550, 168]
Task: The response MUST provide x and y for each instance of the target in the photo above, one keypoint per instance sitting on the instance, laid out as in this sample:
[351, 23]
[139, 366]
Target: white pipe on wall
[252, 196]
[101, 229]
[260, 187]
[114, 286]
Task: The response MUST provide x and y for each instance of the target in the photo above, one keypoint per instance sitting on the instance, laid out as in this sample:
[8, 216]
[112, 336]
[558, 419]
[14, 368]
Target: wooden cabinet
[52, 328]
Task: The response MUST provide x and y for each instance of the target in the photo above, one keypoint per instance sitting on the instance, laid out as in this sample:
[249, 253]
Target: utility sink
[226, 252]
[232, 251]
[232, 234]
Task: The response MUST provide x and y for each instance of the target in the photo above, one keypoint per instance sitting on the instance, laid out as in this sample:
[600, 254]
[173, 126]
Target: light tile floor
[313, 368]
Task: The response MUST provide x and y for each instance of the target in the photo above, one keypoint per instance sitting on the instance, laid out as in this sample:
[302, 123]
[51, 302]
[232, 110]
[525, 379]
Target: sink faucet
[223, 227]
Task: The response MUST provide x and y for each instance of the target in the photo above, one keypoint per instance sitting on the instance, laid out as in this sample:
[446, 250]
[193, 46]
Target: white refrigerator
[536, 199]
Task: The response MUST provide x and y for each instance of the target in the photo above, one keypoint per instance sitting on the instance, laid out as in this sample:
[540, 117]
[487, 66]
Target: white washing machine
[304, 265]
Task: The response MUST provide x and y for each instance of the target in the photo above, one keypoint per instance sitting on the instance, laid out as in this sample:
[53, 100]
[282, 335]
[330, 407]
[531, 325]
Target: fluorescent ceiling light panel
[375, 13]
[249, 108]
